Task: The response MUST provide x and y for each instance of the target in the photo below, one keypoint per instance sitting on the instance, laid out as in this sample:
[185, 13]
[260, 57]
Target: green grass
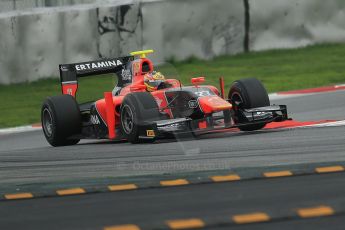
[279, 70]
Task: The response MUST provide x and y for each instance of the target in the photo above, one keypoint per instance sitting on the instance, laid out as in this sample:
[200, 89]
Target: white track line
[276, 96]
[20, 129]
[329, 124]
[281, 95]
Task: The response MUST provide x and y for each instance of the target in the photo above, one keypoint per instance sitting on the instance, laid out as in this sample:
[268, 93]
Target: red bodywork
[109, 107]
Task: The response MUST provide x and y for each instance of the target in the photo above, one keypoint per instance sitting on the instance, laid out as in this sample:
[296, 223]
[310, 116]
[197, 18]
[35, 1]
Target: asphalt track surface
[206, 201]
[28, 162]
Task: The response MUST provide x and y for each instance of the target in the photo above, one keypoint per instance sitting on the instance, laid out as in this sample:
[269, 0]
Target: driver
[152, 80]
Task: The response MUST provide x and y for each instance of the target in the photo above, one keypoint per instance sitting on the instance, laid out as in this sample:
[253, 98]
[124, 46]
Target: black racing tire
[247, 94]
[60, 118]
[137, 109]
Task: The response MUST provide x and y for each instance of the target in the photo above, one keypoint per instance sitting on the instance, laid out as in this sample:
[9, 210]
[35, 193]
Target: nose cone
[212, 104]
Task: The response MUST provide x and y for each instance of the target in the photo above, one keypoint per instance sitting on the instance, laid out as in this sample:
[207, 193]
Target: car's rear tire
[138, 109]
[60, 118]
[246, 94]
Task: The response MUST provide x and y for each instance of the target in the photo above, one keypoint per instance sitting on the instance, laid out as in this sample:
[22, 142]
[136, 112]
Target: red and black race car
[133, 113]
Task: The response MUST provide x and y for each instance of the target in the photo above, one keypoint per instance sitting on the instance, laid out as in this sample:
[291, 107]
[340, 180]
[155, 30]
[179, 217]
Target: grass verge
[279, 70]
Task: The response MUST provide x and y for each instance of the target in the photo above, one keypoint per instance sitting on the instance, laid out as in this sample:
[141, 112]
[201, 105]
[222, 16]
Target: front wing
[218, 121]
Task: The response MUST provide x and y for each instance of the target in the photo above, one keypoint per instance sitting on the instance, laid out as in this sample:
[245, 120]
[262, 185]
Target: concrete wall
[201, 28]
[33, 43]
[295, 23]
[10, 5]
[32, 46]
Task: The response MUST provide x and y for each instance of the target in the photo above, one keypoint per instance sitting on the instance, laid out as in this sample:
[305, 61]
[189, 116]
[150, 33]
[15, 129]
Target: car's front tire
[136, 110]
[247, 94]
[60, 118]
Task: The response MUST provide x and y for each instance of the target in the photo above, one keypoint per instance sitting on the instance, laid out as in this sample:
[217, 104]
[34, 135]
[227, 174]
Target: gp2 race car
[132, 113]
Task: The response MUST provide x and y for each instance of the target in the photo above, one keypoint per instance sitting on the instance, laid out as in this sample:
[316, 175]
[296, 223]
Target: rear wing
[69, 73]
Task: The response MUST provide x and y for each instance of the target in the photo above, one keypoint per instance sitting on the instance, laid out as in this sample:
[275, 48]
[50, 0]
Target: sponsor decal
[70, 91]
[95, 120]
[63, 68]
[192, 104]
[126, 75]
[150, 133]
[203, 93]
[173, 127]
[98, 65]
[136, 67]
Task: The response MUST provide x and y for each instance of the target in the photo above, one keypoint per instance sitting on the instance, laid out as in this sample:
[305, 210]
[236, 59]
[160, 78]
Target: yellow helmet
[153, 80]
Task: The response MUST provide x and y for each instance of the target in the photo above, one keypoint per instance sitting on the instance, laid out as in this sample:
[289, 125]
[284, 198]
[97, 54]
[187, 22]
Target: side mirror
[197, 80]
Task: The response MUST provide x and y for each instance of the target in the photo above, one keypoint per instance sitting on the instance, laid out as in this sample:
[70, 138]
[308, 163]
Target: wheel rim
[127, 120]
[236, 99]
[47, 122]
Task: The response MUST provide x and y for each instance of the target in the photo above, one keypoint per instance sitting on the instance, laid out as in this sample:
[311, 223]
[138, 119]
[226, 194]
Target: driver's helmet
[152, 80]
